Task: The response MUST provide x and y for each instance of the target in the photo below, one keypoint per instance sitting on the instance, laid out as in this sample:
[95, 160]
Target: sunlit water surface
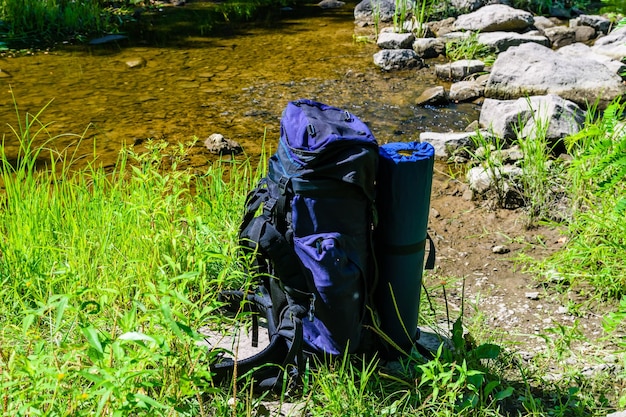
[195, 85]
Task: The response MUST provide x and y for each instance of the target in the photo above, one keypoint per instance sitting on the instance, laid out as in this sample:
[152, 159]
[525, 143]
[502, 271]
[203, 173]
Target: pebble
[138, 62]
[500, 249]
[534, 295]
[562, 310]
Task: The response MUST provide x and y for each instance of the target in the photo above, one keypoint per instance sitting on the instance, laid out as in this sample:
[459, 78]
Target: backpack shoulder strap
[282, 355]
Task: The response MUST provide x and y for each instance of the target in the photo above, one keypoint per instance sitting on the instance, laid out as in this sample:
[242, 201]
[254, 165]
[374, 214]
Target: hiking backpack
[309, 225]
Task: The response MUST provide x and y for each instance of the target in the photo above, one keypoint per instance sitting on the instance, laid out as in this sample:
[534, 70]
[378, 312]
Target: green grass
[469, 48]
[108, 275]
[596, 181]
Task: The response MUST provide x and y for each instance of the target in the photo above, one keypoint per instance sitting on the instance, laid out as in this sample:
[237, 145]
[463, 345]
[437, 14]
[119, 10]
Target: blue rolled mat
[404, 185]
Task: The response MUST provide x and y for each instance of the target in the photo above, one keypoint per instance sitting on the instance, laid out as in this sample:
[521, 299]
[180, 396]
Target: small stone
[500, 249]
[432, 96]
[562, 310]
[218, 144]
[331, 4]
[134, 63]
[534, 295]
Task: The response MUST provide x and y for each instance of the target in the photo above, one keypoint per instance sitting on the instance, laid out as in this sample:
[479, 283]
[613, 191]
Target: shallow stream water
[193, 85]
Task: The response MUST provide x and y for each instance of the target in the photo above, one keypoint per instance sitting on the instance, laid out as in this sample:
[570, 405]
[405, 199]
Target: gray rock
[441, 27]
[218, 144]
[560, 36]
[501, 250]
[510, 155]
[458, 70]
[580, 50]
[501, 41]
[429, 47]
[495, 17]
[434, 96]
[135, 63]
[612, 45]
[465, 6]
[584, 33]
[394, 59]
[482, 180]
[392, 40]
[466, 91]
[447, 144]
[364, 12]
[533, 69]
[455, 36]
[599, 23]
[617, 414]
[542, 22]
[331, 4]
[502, 117]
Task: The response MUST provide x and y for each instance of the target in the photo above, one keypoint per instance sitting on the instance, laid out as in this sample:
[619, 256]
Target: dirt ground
[481, 248]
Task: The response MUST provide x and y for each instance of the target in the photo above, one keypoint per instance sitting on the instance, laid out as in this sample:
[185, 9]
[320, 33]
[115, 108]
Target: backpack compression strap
[284, 352]
[260, 233]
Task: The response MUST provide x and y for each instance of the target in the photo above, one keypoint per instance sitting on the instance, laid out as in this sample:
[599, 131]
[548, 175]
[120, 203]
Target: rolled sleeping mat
[404, 185]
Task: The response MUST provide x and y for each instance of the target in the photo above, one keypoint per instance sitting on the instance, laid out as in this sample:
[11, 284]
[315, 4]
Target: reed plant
[597, 230]
[542, 176]
[402, 13]
[43, 22]
[489, 154]
[107, 277]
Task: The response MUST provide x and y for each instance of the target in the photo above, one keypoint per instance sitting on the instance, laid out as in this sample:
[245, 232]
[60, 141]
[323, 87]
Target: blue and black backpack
[310, 226]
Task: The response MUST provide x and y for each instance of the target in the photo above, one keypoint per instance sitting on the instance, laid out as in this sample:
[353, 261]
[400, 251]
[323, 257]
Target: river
[193, 85]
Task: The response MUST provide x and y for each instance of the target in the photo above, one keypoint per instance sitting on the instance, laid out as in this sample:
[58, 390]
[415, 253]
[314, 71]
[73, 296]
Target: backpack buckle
[311, 130]
[283, 183]
[268, 206]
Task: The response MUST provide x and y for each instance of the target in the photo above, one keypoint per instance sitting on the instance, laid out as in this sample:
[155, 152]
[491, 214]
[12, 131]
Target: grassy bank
[107, 276]
[44, 24]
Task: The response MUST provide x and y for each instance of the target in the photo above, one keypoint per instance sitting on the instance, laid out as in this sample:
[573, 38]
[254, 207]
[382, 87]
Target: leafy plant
[489, 155]
[402, 12]
[540, 183]
[598, 229]
[468, 47]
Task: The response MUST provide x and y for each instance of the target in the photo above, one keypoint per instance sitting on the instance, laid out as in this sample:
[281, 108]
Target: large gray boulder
[612, 45]
[495, 17]
[580, 50]
[527, 117]
[532, 69]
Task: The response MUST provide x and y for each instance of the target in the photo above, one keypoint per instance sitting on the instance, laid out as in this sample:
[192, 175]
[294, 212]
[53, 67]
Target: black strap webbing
[411, 249]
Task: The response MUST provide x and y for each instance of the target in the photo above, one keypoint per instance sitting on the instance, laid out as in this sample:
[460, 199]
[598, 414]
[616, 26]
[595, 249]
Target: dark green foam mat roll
[404, 185]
